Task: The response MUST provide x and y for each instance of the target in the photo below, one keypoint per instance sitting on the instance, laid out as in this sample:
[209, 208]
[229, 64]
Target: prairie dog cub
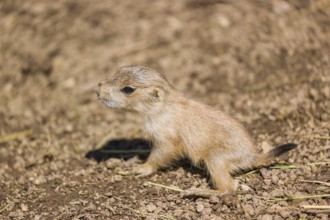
[180, 127]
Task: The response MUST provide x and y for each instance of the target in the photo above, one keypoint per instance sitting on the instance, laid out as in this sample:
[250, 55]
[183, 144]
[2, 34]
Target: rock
[207, 211]
[266, 217]
[266, 147]
[178, 212]
[199, 207]
[24, 207]
[285, 214]
[249, 209]
[277, 193]
[223, 21]
[112, 163]
[277, 217]
[116, 178]
[151, 208]
[281, 7]
[246, 188]
[132, 160]
[108, 194]
[264, 173]
[275, 179]
[214, 200]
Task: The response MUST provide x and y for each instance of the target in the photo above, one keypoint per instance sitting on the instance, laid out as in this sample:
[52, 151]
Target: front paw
[144, 170]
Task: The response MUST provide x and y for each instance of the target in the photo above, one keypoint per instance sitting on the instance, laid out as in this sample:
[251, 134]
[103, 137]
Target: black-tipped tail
[281, 150]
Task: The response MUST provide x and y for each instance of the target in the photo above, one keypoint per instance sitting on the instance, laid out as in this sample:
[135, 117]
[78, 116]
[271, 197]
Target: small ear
[156, 94]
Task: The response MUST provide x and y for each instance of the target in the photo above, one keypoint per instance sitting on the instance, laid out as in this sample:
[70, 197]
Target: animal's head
[133, 88]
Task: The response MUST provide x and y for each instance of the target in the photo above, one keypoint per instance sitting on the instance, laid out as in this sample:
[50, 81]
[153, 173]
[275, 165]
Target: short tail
[277, 151]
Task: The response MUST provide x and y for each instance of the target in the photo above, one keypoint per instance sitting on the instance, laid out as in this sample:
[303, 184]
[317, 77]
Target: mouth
[109, 103]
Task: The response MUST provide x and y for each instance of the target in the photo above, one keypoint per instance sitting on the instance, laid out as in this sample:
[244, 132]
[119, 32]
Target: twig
[315, 181]
[15, 136]
[298, 197]
[286, 208]
[123, 173]
[316, 206]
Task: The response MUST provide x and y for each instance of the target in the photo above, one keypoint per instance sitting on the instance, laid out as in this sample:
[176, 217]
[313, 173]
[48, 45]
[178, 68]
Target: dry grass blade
[299, 197]
[15, 136]
[123, 173]
[251, 172]
[315, 181]
[166, 187]
[4, 208]
[203, 193]
[320, 137]
[285, 166]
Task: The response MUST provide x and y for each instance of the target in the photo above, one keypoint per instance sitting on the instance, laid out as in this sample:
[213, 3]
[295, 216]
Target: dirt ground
[267, 63]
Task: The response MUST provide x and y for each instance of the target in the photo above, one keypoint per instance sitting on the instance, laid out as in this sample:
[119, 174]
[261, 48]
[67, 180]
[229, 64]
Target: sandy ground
[266, 63]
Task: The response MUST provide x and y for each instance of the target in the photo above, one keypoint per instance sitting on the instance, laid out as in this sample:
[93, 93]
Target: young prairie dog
[179, 127]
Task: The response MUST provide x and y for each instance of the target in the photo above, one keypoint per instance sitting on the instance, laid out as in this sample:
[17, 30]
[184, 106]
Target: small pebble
[246, 188]
[24, 207]
[266, 217]
[214, 200]
[199, 207]
[116, 178]
[151, 208]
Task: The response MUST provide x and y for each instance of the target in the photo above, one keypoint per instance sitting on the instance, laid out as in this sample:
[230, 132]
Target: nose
[97, 88]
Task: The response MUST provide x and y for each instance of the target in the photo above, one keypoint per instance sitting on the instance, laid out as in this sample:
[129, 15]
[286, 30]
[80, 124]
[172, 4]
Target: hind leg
[220, 175]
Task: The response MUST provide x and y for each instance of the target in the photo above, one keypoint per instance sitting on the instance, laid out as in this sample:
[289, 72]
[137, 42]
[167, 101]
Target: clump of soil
[264, 62]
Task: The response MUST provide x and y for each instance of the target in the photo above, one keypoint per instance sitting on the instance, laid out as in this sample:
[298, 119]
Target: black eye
[127, 90]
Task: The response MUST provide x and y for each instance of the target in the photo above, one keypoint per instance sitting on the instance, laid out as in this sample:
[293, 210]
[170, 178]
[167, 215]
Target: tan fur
[180, 127]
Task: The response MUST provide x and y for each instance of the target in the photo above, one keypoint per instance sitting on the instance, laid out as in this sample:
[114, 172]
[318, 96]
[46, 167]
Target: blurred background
[267, 63]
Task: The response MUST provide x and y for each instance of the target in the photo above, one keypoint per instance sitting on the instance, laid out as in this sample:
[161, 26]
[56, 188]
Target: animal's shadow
[122, 149]
[126, 149]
